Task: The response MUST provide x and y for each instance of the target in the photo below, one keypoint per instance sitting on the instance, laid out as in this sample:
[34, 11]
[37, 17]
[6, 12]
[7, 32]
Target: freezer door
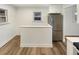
[50, 20]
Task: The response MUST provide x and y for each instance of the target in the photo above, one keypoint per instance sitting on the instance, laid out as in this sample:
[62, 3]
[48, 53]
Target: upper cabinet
[55, 8]
[75, 12]
[71, 13]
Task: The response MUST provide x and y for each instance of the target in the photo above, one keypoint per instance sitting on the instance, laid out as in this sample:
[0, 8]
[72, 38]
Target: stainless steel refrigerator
[56, 21]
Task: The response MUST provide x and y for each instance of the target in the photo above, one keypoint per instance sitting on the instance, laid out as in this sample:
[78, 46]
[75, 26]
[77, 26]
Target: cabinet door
[57, 35]
[69, 48]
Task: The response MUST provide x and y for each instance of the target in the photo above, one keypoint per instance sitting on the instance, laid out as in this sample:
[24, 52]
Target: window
[37, 16]
[75, 12]
[3, 16]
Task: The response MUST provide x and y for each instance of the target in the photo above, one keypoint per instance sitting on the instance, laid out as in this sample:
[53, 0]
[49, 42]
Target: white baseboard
[36, 45]
[7, 40]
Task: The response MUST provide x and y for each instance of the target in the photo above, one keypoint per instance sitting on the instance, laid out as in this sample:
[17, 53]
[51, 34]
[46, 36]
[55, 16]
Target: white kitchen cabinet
[55, 8]
[76, 13]
[70, 47]
[72, 13]
[36, 36]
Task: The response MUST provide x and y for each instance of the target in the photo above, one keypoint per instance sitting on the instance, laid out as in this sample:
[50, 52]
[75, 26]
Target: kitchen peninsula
[36, 35]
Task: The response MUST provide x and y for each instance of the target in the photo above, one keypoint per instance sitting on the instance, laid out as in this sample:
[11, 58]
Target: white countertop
[36, 25]
[73, 39]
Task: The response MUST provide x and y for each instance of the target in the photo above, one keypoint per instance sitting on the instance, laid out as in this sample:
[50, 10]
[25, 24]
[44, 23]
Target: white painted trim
[36, 45]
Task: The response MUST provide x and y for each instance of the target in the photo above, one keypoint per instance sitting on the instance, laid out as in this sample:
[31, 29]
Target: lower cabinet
[69, 48]
[36, 37]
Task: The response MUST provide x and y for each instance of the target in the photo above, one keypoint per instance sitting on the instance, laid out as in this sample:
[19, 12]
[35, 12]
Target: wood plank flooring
[13, 48]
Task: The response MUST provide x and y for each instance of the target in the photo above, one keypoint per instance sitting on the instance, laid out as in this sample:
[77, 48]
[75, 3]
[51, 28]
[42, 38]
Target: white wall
[7, 31]
[25, 15]
[69, 26]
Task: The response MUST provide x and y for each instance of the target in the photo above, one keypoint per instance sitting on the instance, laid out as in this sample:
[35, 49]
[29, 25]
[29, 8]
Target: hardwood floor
[13, 48]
